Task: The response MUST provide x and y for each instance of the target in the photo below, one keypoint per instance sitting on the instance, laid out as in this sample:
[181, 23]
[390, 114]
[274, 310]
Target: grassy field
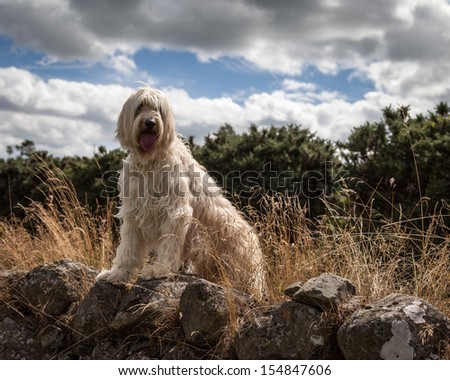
[378, 257]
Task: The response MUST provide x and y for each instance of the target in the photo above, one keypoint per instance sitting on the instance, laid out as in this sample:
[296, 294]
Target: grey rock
[293, 288]
[326, 291]
[142, 349]
[51, 341]
[50, 313]
[108, 348]
[53, 288]
[8, 278]
[115, 348]
[205, 309]
[16, 340]
[122, 312]
[183, 351]
[150, 305]
[396, 327]
[290, 330]
[95, 313]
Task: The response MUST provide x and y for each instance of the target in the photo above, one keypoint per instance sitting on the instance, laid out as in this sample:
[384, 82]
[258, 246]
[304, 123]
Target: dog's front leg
[130, 256]
[169, 249]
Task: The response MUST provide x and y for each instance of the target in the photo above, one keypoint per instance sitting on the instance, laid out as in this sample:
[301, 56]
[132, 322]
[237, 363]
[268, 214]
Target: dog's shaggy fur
[173, 208]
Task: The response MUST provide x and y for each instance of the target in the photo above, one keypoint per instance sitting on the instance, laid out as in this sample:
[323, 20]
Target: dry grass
[59, 228]
[378, 256]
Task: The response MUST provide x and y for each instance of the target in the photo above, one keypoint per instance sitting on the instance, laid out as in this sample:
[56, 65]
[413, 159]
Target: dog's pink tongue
[147, 141]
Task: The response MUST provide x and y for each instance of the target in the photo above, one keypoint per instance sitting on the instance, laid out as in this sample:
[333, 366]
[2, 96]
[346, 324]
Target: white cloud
[121, 63]
[203, 113]
[61, 136]
[19, 89]
[66, 117]
[411, 82]
[294, 85]
[280, 37]
[62, 116]
[402, 47]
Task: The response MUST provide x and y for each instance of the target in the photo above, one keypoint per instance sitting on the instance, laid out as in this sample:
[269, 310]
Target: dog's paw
[113, 276]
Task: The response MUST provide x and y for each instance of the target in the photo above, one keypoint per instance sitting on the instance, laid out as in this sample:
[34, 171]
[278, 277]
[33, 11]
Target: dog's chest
[141, 185]
[153, 199]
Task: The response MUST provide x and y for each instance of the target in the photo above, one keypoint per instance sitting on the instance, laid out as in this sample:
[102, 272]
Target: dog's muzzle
[148, 137]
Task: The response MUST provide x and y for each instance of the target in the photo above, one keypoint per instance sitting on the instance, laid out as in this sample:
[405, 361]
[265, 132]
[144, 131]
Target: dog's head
[146, 123]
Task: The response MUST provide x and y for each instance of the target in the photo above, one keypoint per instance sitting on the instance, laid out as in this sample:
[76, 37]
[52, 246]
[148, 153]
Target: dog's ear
[125, 122]
[165, 110]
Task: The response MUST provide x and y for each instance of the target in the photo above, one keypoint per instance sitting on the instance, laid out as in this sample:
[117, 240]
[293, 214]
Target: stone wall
[56, 311]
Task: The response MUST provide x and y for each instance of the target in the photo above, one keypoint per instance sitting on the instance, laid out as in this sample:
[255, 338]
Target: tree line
[400, 164]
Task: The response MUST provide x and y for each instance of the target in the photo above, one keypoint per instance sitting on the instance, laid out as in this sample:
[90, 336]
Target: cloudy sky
[67, 66]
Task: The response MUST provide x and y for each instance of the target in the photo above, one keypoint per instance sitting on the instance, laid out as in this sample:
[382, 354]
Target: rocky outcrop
[290, 330]
[326, 291]
[35, 307]
[303, 328]
[395, 327]
[57, 311]
[54, 287]
[206, 310]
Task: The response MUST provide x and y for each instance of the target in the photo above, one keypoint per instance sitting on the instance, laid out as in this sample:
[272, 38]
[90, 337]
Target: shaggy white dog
[173, 208]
